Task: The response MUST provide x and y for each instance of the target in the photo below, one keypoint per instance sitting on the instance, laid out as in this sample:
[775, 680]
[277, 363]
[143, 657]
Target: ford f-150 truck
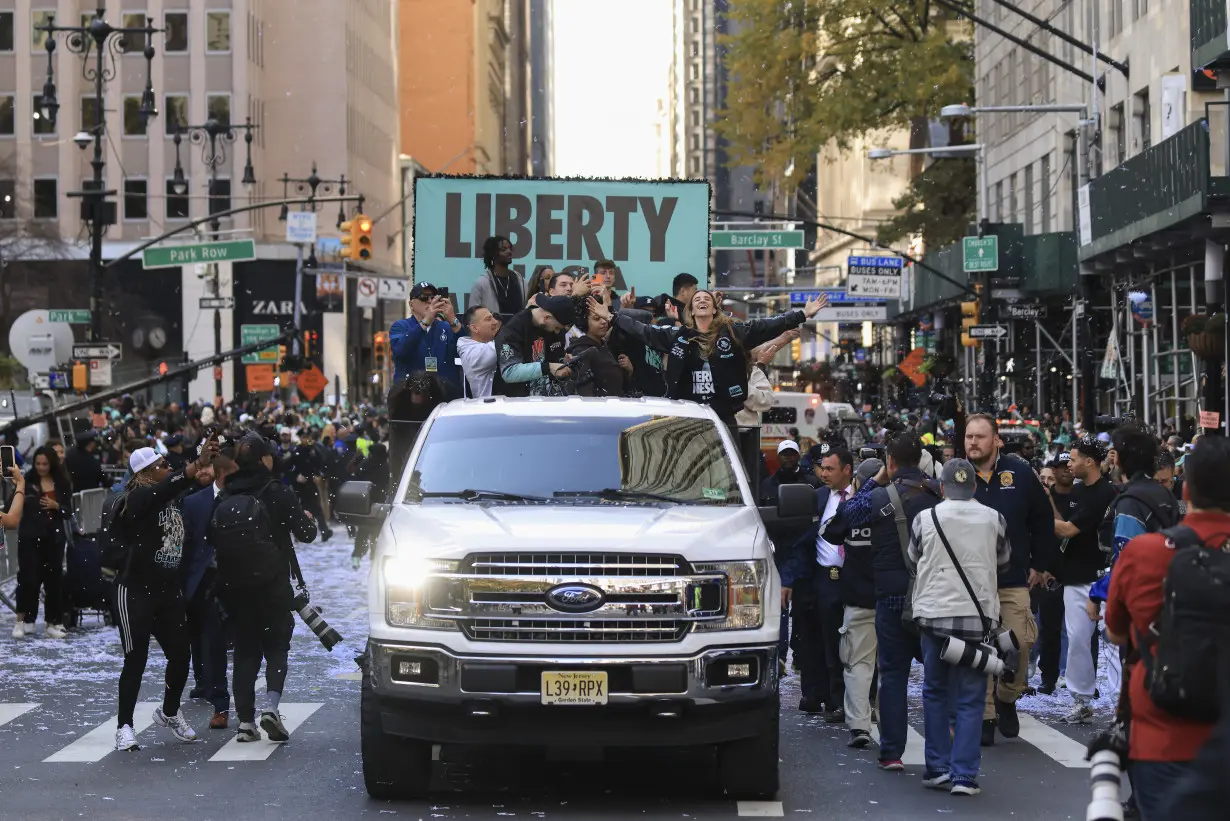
[570, 572]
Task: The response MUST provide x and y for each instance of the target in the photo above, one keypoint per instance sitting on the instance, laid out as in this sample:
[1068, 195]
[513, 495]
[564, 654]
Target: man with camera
[427, 340]
[958, 547]
[255, 521]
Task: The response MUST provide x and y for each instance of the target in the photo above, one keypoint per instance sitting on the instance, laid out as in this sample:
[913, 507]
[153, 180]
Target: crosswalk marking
[1055, 744]
[8, 712]
[293, 715]
[913, 755]
[94, 745]
[760, 809]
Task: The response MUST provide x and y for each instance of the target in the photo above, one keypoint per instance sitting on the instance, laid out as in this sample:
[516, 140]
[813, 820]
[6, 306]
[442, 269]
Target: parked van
[811, 416]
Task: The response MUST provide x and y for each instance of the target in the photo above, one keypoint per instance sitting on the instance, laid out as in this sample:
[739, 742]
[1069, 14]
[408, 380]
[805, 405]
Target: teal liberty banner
[651, 230]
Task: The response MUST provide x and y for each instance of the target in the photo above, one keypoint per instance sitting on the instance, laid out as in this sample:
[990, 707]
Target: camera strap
[986, 623]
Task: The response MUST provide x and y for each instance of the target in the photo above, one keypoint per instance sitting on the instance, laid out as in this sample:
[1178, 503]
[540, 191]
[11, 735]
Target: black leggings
[261, 623]
[159, 612]
[40, 565]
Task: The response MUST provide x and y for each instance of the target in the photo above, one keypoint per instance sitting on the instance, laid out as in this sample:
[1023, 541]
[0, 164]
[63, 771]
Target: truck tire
[393, 767]
[747, 768]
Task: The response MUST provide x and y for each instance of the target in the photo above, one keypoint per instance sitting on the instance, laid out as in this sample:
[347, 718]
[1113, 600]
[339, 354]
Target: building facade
[542, 93]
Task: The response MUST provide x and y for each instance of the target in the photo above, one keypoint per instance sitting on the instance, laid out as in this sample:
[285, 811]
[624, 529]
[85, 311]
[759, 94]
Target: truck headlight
[407, 585]
[746, 587]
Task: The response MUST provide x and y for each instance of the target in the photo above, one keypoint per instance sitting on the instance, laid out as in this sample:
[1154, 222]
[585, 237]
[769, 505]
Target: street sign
[835, 295]
[171, 256]
[99, 350]
[394, 289]
[980, 254]
[1031, 310]
[756, 239]
[874, 276]
[60, 380]
[40, 381]
[73, 316]
[301, 226]
[365, 292]
[1007, 293]
[221, 303]
[100, 373]
[1142, 310]
[987, 331]
[249, 334]
[853, 313]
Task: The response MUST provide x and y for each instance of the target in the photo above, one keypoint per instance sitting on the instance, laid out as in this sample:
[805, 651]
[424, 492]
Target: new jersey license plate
[574, 688]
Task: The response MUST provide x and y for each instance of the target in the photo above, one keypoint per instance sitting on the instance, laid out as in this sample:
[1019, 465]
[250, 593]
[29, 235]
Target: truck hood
[700, 533]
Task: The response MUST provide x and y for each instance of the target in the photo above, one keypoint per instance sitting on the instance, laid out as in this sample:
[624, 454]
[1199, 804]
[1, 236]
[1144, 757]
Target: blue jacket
[1015, 491]
[412, 347]
[196, 509]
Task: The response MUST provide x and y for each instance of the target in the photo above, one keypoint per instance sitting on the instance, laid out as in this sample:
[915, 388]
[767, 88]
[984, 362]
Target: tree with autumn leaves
[804, 74]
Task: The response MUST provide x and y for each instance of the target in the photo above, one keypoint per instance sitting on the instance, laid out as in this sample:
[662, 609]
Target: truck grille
[575, 565]
[534, 630]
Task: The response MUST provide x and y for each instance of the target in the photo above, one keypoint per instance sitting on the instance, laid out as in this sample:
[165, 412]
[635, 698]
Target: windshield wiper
[620, 494]
[483, 495]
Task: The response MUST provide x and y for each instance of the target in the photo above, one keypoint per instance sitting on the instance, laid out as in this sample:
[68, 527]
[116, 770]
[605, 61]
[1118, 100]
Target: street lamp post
[103, 42]
[213, 137]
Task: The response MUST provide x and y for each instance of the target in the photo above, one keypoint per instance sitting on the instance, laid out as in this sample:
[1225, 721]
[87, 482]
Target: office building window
[7, 119]
[89, 113]
[136, 199]
[176, 35]
[1142, 116]
[1029, 199]
[134, 43]
[1045, 174]
[218, 107]
[38, 39]
[218, 31]
[1012, 212]
[1116, 17]
[8, 199]
[175, 112]
[6, 31]
[177, 203]
[999, 201]
[1115, 139]
[134, 124]
[46, 200]
[42, 125]
[219, 195]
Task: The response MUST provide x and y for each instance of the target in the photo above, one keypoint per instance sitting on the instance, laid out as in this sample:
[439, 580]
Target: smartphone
[442, 292]
[603, 277]
[8, 458]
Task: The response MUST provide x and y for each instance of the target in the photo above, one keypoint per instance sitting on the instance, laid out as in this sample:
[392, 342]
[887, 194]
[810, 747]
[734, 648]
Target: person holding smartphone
[41, 541]
[427, 340]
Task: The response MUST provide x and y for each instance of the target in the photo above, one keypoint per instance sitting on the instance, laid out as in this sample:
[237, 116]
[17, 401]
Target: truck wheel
[747, 768]
[393, 767]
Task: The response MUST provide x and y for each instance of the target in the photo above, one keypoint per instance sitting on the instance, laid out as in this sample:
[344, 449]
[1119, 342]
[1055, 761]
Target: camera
[310, 615]
[981, 657]
[868, 452]
[1105, 778]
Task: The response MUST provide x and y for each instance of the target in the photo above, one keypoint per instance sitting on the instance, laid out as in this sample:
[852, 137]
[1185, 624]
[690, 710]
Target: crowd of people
[980, 566]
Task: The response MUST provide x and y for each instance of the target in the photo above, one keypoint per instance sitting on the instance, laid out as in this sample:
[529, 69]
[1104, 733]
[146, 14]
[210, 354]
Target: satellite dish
[38, 343]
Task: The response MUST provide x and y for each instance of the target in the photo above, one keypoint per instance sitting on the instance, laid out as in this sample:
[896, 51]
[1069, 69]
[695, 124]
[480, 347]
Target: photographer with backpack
[255, 521]
[1169, 601]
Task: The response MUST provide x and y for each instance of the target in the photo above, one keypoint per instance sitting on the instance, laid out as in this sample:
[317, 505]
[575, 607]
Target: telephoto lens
[311, 616]
[1006, 641]
[980, 657]
[1105, 775]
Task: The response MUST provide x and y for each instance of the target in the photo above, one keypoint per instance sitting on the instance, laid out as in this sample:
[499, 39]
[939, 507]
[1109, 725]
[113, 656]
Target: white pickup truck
[570, 572]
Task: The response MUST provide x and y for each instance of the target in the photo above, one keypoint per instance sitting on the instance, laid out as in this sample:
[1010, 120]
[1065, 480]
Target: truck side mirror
[354, 505]
[796, 501]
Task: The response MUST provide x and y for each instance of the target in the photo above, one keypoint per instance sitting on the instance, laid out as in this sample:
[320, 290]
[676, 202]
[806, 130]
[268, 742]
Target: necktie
[841, 548]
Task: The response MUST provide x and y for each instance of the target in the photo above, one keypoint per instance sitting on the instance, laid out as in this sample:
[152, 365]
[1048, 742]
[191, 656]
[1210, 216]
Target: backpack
[1106, 530]
[244, 547]
[114, 550]
[1191, 637]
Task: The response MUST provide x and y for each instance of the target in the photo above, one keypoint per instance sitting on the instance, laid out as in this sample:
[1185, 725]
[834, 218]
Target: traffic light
[162, 369]
[796, 350]
[380, 349]
[356, 240]
[309, 343]
[81, 376]
[971, 314]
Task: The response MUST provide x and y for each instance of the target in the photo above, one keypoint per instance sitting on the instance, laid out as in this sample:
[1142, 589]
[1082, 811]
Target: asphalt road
[57, 707]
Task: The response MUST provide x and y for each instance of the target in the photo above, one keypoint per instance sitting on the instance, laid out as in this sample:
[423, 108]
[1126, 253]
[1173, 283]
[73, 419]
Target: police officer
[877, 505]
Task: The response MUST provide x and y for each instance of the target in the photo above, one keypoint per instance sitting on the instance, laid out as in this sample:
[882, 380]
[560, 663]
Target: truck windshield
[643, 460]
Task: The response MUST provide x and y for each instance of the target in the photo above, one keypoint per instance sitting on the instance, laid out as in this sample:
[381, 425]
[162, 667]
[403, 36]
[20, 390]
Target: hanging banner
[652, 230]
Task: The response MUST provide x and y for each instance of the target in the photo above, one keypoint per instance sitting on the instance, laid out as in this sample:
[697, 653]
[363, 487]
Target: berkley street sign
[170, 256]
[987, 331]
[1031, 310]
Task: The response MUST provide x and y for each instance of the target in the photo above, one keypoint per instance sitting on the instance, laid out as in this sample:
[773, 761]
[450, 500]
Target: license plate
[574, 688]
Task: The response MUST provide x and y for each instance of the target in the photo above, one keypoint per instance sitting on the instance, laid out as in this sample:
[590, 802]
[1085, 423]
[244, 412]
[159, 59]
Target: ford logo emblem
[575, 598]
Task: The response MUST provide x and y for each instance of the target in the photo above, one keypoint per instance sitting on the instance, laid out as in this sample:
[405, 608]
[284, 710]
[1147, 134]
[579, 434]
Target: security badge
[834, 573]
[1005, 478]
[429, 364]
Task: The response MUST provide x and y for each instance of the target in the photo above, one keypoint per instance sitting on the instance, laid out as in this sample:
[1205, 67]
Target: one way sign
[99, 350]
[987, 331]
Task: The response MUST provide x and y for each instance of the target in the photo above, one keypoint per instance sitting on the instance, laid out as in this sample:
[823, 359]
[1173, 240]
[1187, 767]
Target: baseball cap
[560, 307]
[867, 469]
[1059, 460]
[251, 449]
[142, 458]
[818, 452]
[788, 444]
[421, 288]
[958, 480]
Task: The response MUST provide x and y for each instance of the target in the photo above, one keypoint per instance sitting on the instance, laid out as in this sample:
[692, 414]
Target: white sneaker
[19, 630]
[126, 739]
[1081, 713]
[247, 733]
[272, 724]
[55, 631]
[355, 562]
[178, 725]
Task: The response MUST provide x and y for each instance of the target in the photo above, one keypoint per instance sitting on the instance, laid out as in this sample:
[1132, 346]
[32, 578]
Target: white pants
[1111, 664]
[1080, 674]
[858, 657]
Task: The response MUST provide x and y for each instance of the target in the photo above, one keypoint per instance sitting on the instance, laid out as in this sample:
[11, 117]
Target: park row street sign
[73, 316]
[756, 239]
[987, 331]
[170, 256]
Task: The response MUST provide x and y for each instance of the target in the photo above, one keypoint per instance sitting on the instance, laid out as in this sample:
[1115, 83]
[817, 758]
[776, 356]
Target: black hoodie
[154, 531]
[286, 513]
[596, 369]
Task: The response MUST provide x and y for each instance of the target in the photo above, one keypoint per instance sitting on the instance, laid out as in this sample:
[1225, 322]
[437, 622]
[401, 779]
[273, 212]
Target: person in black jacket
[83, 463]
[148, 597]
[41, 542]
[304, 467]
[529, 349]
[260, 618]
[374, 469]
[598, 371]
[706, 357]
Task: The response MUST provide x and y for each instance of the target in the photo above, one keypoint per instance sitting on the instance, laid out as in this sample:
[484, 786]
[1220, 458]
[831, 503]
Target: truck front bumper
[428, 693]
